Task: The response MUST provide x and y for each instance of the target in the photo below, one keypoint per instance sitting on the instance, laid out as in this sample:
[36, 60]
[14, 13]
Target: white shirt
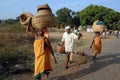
[68, 39]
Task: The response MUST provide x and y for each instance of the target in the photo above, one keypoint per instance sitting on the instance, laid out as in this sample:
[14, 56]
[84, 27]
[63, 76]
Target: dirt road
[106, 67]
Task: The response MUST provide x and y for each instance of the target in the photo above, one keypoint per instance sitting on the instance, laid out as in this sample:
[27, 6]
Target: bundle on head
[98, 26]
[44, 17]
[25, 17]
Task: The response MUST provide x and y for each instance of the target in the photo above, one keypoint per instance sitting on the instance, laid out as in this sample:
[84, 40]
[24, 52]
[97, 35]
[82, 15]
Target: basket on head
[98, 27]
[44, 17]
[25, 17]
[44, 9]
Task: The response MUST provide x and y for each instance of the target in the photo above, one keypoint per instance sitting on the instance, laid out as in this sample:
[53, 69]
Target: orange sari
[97, 45]
[42, 58]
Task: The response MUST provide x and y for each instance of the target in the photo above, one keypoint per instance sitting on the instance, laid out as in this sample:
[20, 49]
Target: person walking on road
[68, 40]
[42, 51]
[97, 45]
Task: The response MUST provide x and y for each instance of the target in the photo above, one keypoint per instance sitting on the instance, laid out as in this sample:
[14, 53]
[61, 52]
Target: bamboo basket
[80, 59]
[43, 18]
[44, 9]
[25, 17]
[98, 27]
[60, 49]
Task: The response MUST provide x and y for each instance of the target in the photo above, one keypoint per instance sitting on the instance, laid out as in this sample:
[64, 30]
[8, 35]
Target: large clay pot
[98, 27]
[43, 18]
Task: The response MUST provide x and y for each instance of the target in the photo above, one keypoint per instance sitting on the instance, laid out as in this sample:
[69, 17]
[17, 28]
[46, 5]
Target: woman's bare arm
[28, 31]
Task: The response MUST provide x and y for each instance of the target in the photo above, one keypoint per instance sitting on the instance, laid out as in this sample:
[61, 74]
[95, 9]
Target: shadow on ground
[100, 63]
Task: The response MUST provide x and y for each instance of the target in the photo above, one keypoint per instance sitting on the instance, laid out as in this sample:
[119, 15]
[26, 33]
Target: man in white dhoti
[68, 40]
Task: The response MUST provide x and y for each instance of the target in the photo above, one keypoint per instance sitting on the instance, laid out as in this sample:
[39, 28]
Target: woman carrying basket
[42, 50]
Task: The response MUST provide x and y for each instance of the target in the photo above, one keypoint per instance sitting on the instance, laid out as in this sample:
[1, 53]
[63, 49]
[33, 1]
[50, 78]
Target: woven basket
[44, 9]
[98, 27]
[43, 20]
[44, 17]
[79, 59]
[60, 49]
[25, 17]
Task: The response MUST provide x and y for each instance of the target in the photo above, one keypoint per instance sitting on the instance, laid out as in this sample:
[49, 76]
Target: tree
[17, 19]
[118, 25]
[10, 21]
[76, 21]
[64, 16]
[95, 12]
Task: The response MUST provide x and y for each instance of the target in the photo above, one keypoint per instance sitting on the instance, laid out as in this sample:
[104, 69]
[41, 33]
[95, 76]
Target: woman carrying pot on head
[42, 50]
[96, 44]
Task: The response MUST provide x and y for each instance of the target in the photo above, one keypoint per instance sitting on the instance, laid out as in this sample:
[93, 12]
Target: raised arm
[28, 31]
[79, 35]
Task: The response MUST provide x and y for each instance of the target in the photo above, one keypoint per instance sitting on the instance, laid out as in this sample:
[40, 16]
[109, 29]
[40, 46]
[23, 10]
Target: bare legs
[47, 74]
[68, 58]
[94, 57]
[39, 79]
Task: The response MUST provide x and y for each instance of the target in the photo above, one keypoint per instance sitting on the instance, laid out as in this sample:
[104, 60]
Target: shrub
[8, 57]
[14, 60]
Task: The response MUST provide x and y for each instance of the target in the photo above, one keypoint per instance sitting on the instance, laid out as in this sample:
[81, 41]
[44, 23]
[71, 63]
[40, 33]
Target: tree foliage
[95, 12]
[66, 16]
[87, 16]
[9, 21]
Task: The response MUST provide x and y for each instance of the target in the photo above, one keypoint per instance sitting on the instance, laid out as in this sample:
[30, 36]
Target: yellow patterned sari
[42, 58]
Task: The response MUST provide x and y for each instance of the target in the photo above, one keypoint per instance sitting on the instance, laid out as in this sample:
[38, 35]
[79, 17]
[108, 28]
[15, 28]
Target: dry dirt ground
[106, 67]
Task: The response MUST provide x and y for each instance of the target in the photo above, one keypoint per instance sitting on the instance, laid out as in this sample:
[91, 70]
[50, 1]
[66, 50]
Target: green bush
[8, 57]
[11, 57]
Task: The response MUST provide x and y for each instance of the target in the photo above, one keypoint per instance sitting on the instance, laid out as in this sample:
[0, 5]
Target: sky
[10, 9]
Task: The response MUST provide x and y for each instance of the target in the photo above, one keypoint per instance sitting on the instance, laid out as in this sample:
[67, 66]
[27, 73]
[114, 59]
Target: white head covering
[67, 27]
